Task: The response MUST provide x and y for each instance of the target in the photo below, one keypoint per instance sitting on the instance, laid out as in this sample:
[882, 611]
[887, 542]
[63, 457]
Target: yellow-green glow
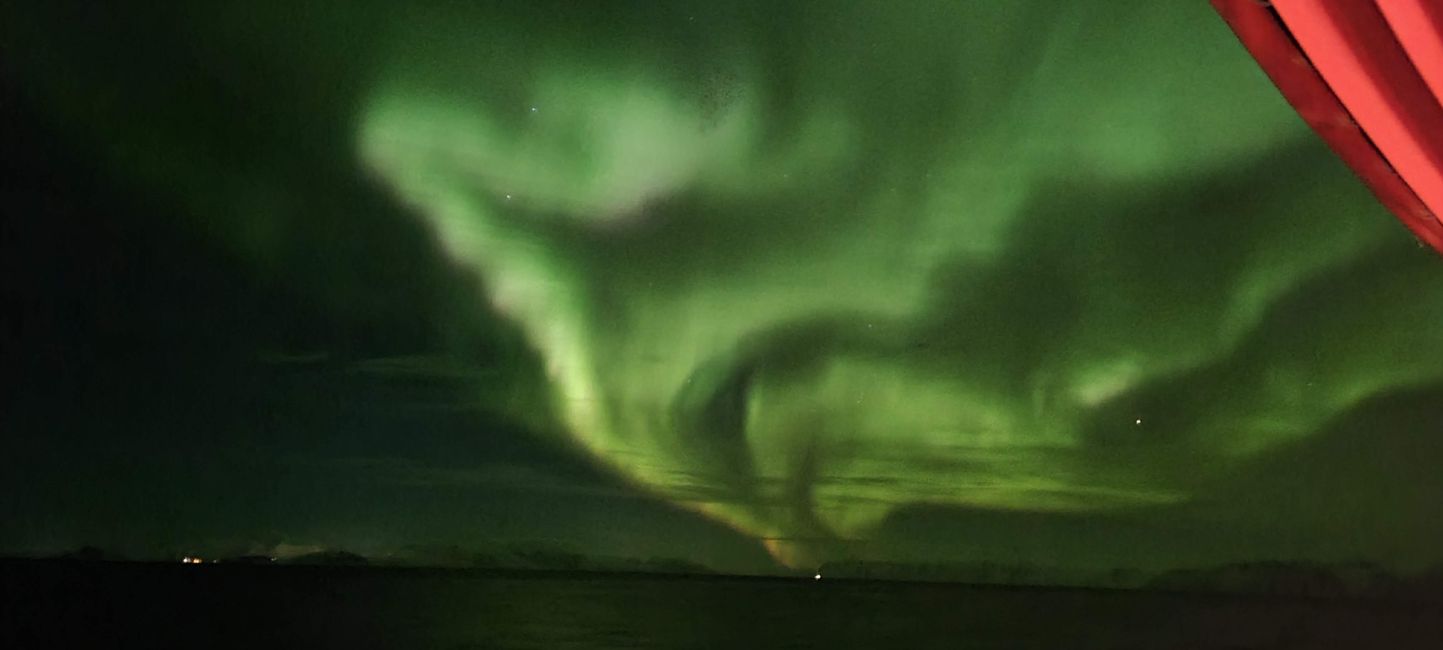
[797, 322]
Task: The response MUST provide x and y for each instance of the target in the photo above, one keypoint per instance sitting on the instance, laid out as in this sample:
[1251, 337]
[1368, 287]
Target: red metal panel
[1352, 48]
[1418, 24]
[1268, 40]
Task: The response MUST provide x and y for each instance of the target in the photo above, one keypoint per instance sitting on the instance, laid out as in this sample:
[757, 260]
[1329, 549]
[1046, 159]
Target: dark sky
[752, 284]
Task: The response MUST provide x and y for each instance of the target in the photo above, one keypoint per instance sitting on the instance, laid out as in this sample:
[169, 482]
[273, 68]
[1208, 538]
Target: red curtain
[1368, 77]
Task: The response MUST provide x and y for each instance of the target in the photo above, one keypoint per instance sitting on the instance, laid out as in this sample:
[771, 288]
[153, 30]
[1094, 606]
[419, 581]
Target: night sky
[758, 286]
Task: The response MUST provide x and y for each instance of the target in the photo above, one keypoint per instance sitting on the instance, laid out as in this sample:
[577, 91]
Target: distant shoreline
[1401, 595]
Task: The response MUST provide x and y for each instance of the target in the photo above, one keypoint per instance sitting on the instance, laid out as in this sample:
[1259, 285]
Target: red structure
[1368, 77]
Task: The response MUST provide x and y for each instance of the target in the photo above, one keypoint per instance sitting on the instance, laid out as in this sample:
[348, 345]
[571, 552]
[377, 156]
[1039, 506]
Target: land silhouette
[1359, 579]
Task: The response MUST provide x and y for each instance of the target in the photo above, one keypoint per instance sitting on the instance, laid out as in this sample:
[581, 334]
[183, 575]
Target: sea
[139, 605]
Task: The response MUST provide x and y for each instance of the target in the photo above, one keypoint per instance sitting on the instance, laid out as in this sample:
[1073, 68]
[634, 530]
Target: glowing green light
[792, 324]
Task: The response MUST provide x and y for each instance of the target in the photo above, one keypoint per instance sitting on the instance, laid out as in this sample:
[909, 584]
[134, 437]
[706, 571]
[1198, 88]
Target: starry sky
[755, 284]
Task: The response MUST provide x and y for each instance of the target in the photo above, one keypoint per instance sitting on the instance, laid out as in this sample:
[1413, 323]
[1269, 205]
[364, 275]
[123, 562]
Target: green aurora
[772, 302]
[799, 268]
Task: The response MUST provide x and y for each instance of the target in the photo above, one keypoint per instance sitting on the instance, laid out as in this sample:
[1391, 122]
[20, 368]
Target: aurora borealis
[815, 272]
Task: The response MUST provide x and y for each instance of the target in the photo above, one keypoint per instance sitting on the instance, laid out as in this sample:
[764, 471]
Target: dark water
[52, 605]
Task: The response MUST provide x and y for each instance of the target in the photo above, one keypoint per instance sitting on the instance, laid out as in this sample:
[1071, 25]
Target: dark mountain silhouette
[249, 559]
[979, 572]
[89, 554]
[1274, 578]
[330, 558]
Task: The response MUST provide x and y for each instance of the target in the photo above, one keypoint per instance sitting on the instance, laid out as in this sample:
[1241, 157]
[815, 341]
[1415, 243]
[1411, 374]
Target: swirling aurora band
[796, 312]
